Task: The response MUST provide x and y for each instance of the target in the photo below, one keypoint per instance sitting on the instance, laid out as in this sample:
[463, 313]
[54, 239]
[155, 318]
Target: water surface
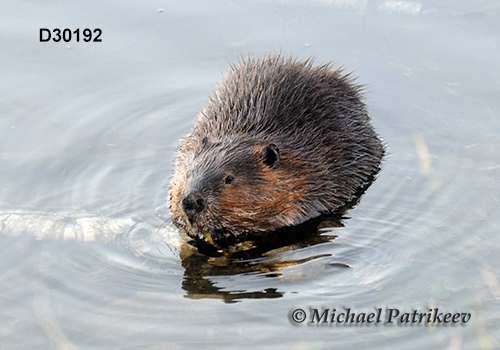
[88, 138]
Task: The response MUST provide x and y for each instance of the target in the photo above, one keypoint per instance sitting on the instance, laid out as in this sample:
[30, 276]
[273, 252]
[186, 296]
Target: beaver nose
[193, 203]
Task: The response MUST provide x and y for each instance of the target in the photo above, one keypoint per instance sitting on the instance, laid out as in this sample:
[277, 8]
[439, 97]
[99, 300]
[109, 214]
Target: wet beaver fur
[280, 142]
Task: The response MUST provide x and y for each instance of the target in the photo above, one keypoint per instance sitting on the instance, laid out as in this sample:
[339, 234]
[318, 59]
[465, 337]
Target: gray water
[88, 135]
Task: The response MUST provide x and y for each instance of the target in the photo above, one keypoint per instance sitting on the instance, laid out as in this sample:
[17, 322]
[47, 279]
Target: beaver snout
[193, 203]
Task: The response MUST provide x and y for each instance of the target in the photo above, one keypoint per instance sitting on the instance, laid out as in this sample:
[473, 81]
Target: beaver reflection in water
[279, 142]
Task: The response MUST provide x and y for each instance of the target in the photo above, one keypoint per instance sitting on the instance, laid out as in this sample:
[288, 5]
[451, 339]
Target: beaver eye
[228, 179]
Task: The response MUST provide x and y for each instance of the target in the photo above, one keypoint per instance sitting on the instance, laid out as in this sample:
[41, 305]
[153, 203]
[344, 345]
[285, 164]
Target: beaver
[281, 141]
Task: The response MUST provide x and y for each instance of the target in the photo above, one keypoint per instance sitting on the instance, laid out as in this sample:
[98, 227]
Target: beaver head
[237, 186]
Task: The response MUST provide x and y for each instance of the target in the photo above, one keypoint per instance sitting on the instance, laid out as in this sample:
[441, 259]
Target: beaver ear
[271, 156]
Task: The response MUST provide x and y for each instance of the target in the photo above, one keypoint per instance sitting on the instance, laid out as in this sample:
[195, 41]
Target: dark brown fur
[280, 142]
